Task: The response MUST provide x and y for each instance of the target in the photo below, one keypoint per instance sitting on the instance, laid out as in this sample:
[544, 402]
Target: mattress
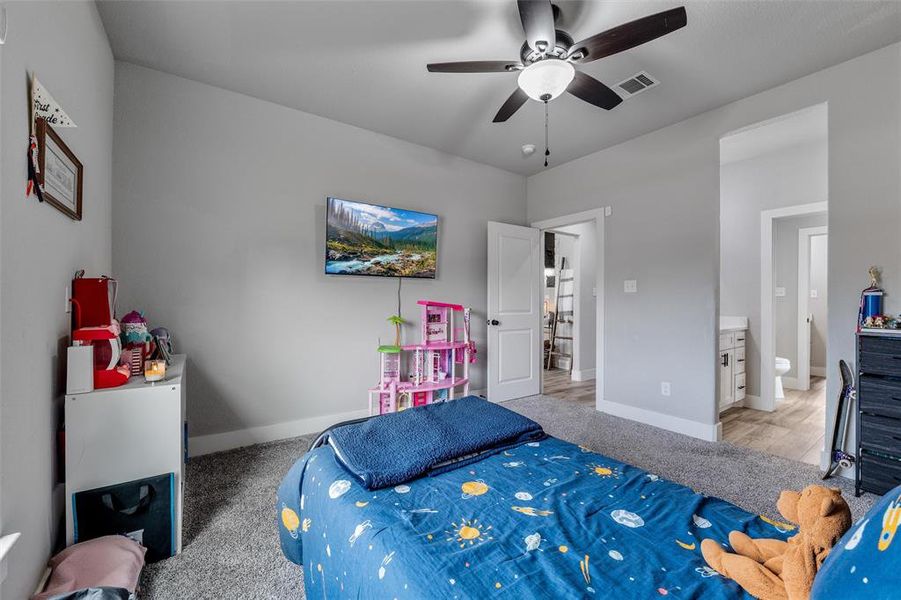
[545, 519]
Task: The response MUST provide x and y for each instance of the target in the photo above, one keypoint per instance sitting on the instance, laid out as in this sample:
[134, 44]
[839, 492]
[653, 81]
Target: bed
[543, 519]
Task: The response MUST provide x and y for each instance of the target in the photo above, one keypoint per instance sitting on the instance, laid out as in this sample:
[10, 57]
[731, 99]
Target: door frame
[598, 216]
[805, 234]
[767, 399]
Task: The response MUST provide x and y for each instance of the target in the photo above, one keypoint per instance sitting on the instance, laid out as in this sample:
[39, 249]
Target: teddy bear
[772, 569]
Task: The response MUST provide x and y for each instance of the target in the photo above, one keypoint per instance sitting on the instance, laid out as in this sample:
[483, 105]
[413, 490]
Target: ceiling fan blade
[587, 88]
[537, 18]
[516, 100]
[475, 66]
[628, 35]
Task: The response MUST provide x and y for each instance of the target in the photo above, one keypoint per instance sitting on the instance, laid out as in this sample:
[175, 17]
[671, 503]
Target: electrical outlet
[630, 286]
[780, 292]
[665, 388]
[814, 294]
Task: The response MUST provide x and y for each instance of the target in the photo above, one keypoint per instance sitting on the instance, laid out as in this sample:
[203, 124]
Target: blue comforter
[381, 452]
[544, 519]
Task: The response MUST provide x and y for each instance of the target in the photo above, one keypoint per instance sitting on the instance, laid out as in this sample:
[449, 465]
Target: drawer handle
[741, 360]
[741, 387]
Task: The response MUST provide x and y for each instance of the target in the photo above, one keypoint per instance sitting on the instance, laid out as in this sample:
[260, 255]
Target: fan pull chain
[547, 151]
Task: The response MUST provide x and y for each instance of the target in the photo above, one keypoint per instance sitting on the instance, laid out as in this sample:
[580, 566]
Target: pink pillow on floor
[109, 561]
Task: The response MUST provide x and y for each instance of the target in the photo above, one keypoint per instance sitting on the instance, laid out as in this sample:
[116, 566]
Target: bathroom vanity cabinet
[732, 367]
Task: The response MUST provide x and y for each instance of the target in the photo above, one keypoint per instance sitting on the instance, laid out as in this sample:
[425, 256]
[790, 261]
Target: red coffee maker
[94, 324]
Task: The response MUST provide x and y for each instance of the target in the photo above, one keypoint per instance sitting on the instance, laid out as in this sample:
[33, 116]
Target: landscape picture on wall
[367, 239]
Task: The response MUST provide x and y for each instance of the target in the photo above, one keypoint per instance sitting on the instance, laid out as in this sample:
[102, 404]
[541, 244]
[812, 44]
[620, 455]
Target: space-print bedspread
[545, 519]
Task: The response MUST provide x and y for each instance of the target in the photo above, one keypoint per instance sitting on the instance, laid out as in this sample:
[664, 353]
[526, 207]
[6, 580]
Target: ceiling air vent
[637, 84]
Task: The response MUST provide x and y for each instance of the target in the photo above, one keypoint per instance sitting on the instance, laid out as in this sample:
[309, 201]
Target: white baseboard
[818, 371]
[583, 374]
[755, 403]
[705, 431]
[791, 383]
[217, 442]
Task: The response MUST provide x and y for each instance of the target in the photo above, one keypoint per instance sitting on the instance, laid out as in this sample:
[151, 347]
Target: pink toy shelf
[436, 369]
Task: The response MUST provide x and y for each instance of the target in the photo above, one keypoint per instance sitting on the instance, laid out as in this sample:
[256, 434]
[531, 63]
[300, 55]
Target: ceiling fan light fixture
[546, 79]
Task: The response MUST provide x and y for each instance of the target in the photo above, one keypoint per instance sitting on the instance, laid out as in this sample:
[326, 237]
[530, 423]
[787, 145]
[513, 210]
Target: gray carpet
[230, 541]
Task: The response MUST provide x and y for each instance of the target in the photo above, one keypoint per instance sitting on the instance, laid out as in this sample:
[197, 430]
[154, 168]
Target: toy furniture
[436, 367]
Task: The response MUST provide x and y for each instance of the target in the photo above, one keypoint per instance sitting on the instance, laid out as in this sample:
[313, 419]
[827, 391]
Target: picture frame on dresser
[60, 173]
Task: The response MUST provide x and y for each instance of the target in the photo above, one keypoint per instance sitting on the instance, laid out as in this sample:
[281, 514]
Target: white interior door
[514, 312]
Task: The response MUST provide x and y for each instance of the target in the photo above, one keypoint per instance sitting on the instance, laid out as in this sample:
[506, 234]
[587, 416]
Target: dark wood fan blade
[628, 35]
[537, 18]
[516, 99]
[587, 88]
[475, 66]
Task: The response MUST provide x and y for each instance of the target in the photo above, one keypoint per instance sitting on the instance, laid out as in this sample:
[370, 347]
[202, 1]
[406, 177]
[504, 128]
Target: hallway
[794, 430]
[558, 384]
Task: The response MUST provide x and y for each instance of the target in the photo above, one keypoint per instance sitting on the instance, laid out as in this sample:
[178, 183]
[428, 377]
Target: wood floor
[558, 384]
[794, 430]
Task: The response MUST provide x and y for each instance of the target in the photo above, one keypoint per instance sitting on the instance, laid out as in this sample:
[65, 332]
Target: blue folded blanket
[399, 447]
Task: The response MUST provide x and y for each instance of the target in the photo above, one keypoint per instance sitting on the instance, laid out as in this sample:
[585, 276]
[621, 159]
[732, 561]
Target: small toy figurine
[871, 302]
[397, 321]
[134, 330]
[874, 277]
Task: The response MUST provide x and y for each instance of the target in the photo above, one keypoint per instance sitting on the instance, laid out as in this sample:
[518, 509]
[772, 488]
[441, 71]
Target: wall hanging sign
[60, 174]
[44, 106]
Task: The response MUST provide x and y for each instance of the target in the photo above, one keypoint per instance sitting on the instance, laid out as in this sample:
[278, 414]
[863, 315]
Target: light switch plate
[608, 211]
[814, 294]
[630, 286]
[780, 292]
[665, 389]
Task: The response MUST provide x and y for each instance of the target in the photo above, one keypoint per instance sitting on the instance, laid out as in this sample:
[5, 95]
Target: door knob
[493, 322]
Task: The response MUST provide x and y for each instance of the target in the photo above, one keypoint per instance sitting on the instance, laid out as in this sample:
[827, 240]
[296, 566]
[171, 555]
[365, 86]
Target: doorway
[515, 317]
[773, 219]
[568, 312]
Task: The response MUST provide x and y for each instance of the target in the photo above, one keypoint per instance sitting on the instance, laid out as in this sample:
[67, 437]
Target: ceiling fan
[547, 58]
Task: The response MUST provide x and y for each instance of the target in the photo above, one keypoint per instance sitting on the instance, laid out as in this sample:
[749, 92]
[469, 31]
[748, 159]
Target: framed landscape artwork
[368, 239]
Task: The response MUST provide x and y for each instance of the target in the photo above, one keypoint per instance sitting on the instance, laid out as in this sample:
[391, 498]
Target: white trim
[217, 442]
[818, 371]
[791, 383]
[753, 401]
[6, 544]
[767, 319]
[804, 238]
[596, 215]
[583, 374]
[711, 432]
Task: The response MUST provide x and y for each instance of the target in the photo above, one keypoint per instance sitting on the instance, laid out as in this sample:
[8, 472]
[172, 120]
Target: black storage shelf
[878, 467]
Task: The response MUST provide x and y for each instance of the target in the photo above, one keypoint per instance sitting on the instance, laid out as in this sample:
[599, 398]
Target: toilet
[783, 366]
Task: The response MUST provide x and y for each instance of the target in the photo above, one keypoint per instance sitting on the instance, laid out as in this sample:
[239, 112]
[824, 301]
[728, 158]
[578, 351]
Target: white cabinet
[732, 368]
[130, 432]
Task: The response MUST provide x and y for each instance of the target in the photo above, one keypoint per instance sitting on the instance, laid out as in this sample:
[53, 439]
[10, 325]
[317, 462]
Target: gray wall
[218, 234]
[664, 231]
[787, 177]
[40, 249]
[785, 274]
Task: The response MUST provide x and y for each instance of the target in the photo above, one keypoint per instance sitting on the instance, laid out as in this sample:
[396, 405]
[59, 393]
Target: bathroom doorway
[569, 315]
[773, 289]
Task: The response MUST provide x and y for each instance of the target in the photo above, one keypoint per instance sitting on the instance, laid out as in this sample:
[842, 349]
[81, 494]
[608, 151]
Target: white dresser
[125, 433]
[733, 331]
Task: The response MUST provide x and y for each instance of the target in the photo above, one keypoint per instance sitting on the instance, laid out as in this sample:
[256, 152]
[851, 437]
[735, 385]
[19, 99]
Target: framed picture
[61, 173]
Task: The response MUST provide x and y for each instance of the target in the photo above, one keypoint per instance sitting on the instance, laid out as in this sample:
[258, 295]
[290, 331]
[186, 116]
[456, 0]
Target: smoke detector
[528, 149]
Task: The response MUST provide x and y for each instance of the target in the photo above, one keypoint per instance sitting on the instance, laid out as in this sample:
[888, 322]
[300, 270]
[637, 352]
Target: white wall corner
[791, 383]
[710, 432]
[818, 371]
[583, 374]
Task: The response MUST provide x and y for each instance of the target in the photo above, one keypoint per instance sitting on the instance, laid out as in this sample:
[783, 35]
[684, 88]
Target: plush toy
[784, 570]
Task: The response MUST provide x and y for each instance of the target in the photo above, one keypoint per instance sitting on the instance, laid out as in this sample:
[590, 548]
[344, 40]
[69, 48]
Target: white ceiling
[808, 126]
[363, 62]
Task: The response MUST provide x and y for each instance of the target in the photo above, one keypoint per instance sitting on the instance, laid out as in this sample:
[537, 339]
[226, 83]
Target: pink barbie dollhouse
[435, 368]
